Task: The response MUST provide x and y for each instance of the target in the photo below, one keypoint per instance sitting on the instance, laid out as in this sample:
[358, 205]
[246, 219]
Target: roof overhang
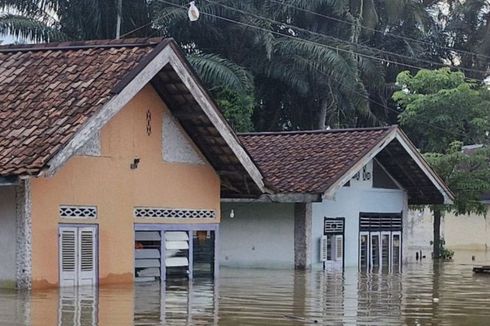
[278, 198]
[403, 161]
[9, 181]
[169, 72]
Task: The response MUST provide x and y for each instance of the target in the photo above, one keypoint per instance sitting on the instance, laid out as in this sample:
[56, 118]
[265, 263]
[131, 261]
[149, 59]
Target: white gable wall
[348, 202]
[177, 146]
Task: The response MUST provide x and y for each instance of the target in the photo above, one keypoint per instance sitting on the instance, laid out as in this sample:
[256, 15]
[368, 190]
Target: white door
[396, 251]
[339, 251]
[386, 260]
[78, 255]
[364, 249]
[374, 252]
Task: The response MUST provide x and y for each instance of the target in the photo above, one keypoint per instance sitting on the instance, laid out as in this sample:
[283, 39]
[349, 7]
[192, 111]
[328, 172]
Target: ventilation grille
[334, 226]
[78, 211]
[145, 212]
[381, 222]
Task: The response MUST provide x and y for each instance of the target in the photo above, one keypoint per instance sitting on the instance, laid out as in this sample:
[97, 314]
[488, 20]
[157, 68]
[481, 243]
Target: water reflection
[424, 294]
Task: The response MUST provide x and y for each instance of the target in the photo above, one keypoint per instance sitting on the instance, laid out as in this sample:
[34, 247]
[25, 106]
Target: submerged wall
[7, 236]
[259, 235]
[461, 232]
[348, 203]
[110, 182]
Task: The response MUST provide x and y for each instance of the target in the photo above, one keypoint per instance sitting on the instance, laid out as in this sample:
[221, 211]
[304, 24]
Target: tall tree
[316, 63]
[441, 112]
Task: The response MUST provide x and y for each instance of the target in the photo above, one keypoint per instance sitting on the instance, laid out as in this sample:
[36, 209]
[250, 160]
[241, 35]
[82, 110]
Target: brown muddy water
[424, 294]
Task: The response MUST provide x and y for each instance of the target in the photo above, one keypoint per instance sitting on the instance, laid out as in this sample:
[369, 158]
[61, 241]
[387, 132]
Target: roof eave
[329, 193]
[167, 52]
[395, 133]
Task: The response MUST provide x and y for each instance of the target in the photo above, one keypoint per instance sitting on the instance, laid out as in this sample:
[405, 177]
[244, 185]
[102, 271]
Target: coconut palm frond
[24, 27]
[219, 72]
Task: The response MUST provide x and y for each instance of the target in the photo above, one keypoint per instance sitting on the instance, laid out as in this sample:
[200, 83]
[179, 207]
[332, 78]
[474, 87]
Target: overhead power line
[326, 36]
[335, 48]
[405, 38]
[454, 133]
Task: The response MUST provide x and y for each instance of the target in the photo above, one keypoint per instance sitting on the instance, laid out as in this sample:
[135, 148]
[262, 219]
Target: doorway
[78, 263]
[380, 238]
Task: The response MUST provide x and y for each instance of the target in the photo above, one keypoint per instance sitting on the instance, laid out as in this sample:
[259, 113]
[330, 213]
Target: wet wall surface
[423, 294]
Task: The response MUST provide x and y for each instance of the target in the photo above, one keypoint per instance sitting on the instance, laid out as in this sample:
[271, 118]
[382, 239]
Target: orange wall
[108, 183]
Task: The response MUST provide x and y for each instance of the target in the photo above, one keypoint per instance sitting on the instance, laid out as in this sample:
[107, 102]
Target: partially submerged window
[380, 242]
[147, 255]
[175, 253]
[203, 253]
[332, 244]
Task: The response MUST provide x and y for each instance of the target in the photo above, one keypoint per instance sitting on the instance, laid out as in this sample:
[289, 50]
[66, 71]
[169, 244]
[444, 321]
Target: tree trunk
[437, 233]
[322, 116]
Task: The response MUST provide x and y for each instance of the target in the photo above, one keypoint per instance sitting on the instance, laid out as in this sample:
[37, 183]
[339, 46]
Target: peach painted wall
[108, 182]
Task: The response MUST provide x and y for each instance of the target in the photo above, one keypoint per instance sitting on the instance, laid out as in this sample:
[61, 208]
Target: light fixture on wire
[193, 12]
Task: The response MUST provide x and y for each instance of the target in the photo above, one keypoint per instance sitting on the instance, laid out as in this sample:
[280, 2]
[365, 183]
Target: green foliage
[445, 253]
[237, 109]
[440, 106]
[218, 72]
[26, 28]
[53, 20]
[466, 174]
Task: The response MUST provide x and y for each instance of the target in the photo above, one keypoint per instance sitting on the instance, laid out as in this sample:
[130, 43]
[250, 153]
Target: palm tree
[52, 20]
[57, 20]
[311, 84]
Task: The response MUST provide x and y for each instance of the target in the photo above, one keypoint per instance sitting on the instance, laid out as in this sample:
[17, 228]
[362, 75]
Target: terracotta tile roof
[309, 162]
[48, 91]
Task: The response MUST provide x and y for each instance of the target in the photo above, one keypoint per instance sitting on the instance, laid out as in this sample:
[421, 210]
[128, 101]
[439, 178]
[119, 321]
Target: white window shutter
[77, 255]
[339, 247]
[68, 256]
[87, 256]
[323, 248]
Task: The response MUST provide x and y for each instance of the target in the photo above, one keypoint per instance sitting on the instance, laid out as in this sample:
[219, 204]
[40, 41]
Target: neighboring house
[113, 160]
[340, 199]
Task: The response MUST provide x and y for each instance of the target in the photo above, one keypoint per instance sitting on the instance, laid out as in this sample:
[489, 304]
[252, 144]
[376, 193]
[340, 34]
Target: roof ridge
[298, 132]
[78, 45]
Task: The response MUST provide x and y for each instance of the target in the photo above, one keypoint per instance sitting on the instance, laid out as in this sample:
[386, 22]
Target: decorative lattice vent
[146, 212]
[78, 211]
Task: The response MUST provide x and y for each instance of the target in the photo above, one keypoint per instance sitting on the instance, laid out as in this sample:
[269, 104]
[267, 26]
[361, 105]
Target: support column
[302, 235]
[24, 235]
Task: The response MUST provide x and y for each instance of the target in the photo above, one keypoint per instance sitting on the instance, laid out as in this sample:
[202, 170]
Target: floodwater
[424, 294]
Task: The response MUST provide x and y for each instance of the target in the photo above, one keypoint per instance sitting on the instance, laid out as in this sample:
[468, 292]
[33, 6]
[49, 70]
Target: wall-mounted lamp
[134, 165]
[232, 214]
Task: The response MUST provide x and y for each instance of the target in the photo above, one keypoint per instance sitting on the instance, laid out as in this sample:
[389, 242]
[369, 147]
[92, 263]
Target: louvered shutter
[87, 256]
[68, 256]
[77, 255]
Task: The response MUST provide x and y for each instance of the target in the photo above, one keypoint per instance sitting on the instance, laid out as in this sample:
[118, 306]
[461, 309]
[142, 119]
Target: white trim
[329, 194]
[433, 177]
[421, 163]
[212, 113]
[116, 104]
[400, 187]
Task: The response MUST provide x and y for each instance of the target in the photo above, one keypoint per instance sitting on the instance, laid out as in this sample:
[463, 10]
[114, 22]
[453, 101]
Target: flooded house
[113, 162]
[340, 199]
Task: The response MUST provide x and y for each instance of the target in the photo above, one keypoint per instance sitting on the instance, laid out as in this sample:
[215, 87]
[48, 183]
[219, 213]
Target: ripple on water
[424, 294]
